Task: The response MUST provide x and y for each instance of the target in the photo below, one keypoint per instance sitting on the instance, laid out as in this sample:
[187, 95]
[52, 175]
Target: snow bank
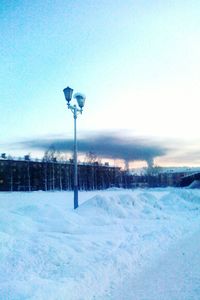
[49, 251]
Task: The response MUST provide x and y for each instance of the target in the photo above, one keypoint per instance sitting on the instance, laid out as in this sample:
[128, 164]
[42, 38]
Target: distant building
[164, 177]
[31, 175]
[49, 174]
[188, 179]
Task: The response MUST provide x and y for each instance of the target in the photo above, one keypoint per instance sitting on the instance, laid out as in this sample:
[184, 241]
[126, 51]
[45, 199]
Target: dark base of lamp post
[75, 197]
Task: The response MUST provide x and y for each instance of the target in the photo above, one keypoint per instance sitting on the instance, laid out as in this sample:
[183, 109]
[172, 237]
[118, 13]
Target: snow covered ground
[119, 244]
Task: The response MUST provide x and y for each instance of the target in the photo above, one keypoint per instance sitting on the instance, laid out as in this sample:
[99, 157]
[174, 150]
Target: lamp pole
[80, 98]
[75, 162]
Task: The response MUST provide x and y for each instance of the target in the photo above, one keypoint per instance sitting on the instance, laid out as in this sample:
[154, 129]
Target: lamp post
[80, 98]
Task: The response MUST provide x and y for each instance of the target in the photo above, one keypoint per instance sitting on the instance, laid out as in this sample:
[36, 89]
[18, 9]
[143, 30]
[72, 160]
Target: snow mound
[111, 206]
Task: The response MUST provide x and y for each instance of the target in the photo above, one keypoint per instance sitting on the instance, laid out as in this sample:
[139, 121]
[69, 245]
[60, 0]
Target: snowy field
[118, 245]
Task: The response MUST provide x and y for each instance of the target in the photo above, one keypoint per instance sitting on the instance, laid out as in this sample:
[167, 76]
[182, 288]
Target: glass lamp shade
[68, 93]
[80, 98]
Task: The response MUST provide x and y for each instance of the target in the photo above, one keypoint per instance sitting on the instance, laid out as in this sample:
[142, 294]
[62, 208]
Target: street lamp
[80, 98]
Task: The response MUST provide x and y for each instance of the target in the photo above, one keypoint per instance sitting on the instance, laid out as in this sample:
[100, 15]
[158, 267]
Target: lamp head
[68, 94]
[80, 98]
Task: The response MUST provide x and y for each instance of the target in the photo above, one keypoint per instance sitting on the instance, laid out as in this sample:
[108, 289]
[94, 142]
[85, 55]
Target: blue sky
[137, 62]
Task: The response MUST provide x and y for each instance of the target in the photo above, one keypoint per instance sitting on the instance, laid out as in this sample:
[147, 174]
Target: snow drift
[49, 251]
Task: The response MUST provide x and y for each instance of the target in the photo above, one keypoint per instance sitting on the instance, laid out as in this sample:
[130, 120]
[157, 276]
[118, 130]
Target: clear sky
[137, 62]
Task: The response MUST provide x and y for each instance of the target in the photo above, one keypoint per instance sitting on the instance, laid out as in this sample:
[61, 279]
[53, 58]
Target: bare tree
[91, 157]
[49, 159]
[27, 158]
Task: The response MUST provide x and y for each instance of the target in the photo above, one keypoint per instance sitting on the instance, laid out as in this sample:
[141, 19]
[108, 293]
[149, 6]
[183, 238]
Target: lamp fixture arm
[74, 109]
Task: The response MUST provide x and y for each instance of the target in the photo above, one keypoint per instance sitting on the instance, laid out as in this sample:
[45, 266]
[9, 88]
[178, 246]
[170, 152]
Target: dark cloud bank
[104, 145]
